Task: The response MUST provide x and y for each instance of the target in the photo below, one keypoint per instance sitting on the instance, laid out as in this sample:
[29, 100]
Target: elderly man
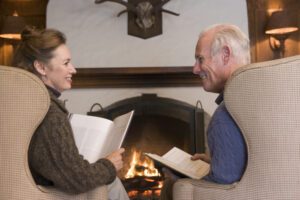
[220, 50]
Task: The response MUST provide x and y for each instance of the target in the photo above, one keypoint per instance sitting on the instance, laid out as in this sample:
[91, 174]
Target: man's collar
[219, 99]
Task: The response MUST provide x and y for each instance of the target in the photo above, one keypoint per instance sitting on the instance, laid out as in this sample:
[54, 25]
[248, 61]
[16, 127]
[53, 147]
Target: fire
[141, 167]
[142, 179]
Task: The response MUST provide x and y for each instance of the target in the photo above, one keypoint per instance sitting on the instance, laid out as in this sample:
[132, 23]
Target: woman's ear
[39, 67]
[226, 51]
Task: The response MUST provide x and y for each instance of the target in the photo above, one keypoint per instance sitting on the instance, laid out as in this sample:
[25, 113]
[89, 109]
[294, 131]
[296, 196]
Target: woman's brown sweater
[54, 158]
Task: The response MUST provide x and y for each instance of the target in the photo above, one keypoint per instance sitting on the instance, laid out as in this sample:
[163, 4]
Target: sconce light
[12, 27]
[280, 25]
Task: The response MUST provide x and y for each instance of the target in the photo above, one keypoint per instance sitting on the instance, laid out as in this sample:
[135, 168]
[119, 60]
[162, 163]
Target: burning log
[142, 180]
[142, 183]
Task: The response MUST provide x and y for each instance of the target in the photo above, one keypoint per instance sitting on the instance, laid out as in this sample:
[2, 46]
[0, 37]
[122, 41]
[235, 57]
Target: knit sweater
[54, 158]
[227, 147]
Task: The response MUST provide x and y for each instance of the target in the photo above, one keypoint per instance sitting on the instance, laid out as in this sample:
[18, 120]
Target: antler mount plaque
[144, 17]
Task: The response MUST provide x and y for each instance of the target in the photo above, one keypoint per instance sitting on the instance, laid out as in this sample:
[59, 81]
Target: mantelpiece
[127, 77]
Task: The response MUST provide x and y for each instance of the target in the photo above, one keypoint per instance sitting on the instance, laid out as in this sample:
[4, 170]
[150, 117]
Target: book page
[118, 133]
[180, 161]
[90, 134]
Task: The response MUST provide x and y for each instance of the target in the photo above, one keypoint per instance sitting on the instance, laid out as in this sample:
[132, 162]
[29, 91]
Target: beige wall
[98, 38]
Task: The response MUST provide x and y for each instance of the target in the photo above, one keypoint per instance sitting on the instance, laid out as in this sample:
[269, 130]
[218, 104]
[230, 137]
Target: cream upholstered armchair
[24, 101]
[264, 99]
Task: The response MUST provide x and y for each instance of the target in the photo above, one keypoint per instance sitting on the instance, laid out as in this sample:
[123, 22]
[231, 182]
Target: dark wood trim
[135, 77]
[258, 14]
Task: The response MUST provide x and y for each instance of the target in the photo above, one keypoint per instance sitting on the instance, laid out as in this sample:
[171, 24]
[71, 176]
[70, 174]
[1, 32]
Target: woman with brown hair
[53, 156]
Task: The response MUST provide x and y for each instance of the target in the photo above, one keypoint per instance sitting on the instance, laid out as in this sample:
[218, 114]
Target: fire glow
[146, 165]
[143, 179]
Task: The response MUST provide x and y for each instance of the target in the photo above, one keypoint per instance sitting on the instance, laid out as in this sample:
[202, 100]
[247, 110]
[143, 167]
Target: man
[220, 50]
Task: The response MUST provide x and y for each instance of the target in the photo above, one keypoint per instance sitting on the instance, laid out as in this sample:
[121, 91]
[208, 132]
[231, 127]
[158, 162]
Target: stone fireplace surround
[158, 124]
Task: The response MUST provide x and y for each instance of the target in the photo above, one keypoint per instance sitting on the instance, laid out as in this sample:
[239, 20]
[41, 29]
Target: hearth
[142, 180]
[158, 125]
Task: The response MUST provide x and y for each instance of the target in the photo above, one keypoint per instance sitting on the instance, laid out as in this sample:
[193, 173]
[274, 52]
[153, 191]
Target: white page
[90, 134]
[118, 133]
[180, 161]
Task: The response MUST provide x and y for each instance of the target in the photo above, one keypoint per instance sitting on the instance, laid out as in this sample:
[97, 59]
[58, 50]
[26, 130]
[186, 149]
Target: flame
[144, 167]
[146, 164]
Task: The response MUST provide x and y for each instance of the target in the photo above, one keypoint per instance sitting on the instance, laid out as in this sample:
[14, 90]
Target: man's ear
[39, 67]
[226, 51]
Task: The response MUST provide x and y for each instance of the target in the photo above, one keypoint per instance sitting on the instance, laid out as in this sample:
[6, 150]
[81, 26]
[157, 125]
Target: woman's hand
[201, 156]
[116, 158]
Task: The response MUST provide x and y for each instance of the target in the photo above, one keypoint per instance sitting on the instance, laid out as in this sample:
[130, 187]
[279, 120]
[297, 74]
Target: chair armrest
[99, 193]
[184, 189]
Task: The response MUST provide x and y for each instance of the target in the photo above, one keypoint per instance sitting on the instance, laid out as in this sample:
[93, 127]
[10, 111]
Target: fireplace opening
[158, 125]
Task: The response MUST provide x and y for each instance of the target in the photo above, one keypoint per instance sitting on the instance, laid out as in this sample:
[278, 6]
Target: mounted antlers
[147, 14]
[132, 8]
[126, 4]
[160, 8]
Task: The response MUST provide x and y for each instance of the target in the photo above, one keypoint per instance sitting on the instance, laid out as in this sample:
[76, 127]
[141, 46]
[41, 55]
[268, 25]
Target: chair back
[264, 99]
[24, 102]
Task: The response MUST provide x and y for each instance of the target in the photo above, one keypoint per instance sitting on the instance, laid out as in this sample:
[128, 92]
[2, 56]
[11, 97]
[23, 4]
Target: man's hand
[201, 156]
[116, 158]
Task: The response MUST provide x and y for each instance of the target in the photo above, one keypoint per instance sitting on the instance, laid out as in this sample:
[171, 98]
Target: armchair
[264, 100]
[24, 102]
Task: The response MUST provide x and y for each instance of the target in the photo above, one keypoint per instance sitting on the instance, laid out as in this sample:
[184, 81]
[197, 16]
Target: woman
[53, 156]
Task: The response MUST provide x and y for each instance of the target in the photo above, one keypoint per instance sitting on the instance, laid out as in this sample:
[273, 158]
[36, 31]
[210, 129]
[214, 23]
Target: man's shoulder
[222, 111]
[222, 117]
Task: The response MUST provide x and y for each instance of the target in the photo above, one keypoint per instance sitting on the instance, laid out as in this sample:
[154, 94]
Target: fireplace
[158, 125]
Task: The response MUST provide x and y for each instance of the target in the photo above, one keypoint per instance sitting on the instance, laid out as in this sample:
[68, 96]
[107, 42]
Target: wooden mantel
[127, 77]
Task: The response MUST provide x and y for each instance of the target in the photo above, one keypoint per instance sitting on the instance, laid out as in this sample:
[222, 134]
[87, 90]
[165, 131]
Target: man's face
[211, 69]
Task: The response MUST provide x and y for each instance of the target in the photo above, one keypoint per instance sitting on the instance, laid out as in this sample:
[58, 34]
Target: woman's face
[59, 70]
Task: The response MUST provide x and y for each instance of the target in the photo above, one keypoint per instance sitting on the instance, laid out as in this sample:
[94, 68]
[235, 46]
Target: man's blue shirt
[227, 147]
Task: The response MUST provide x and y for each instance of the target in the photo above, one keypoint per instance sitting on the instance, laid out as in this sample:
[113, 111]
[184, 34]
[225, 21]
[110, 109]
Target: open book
[97, 137]
[181, 162]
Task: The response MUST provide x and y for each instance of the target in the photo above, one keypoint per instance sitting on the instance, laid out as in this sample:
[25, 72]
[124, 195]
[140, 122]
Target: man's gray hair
[232, 36]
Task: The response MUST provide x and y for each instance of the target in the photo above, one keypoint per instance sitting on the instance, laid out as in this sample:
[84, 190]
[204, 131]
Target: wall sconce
[12, 27]
[10, 33]
[280, 25]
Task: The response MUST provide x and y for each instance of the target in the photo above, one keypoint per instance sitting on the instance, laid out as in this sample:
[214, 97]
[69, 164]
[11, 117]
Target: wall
[98, 38]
